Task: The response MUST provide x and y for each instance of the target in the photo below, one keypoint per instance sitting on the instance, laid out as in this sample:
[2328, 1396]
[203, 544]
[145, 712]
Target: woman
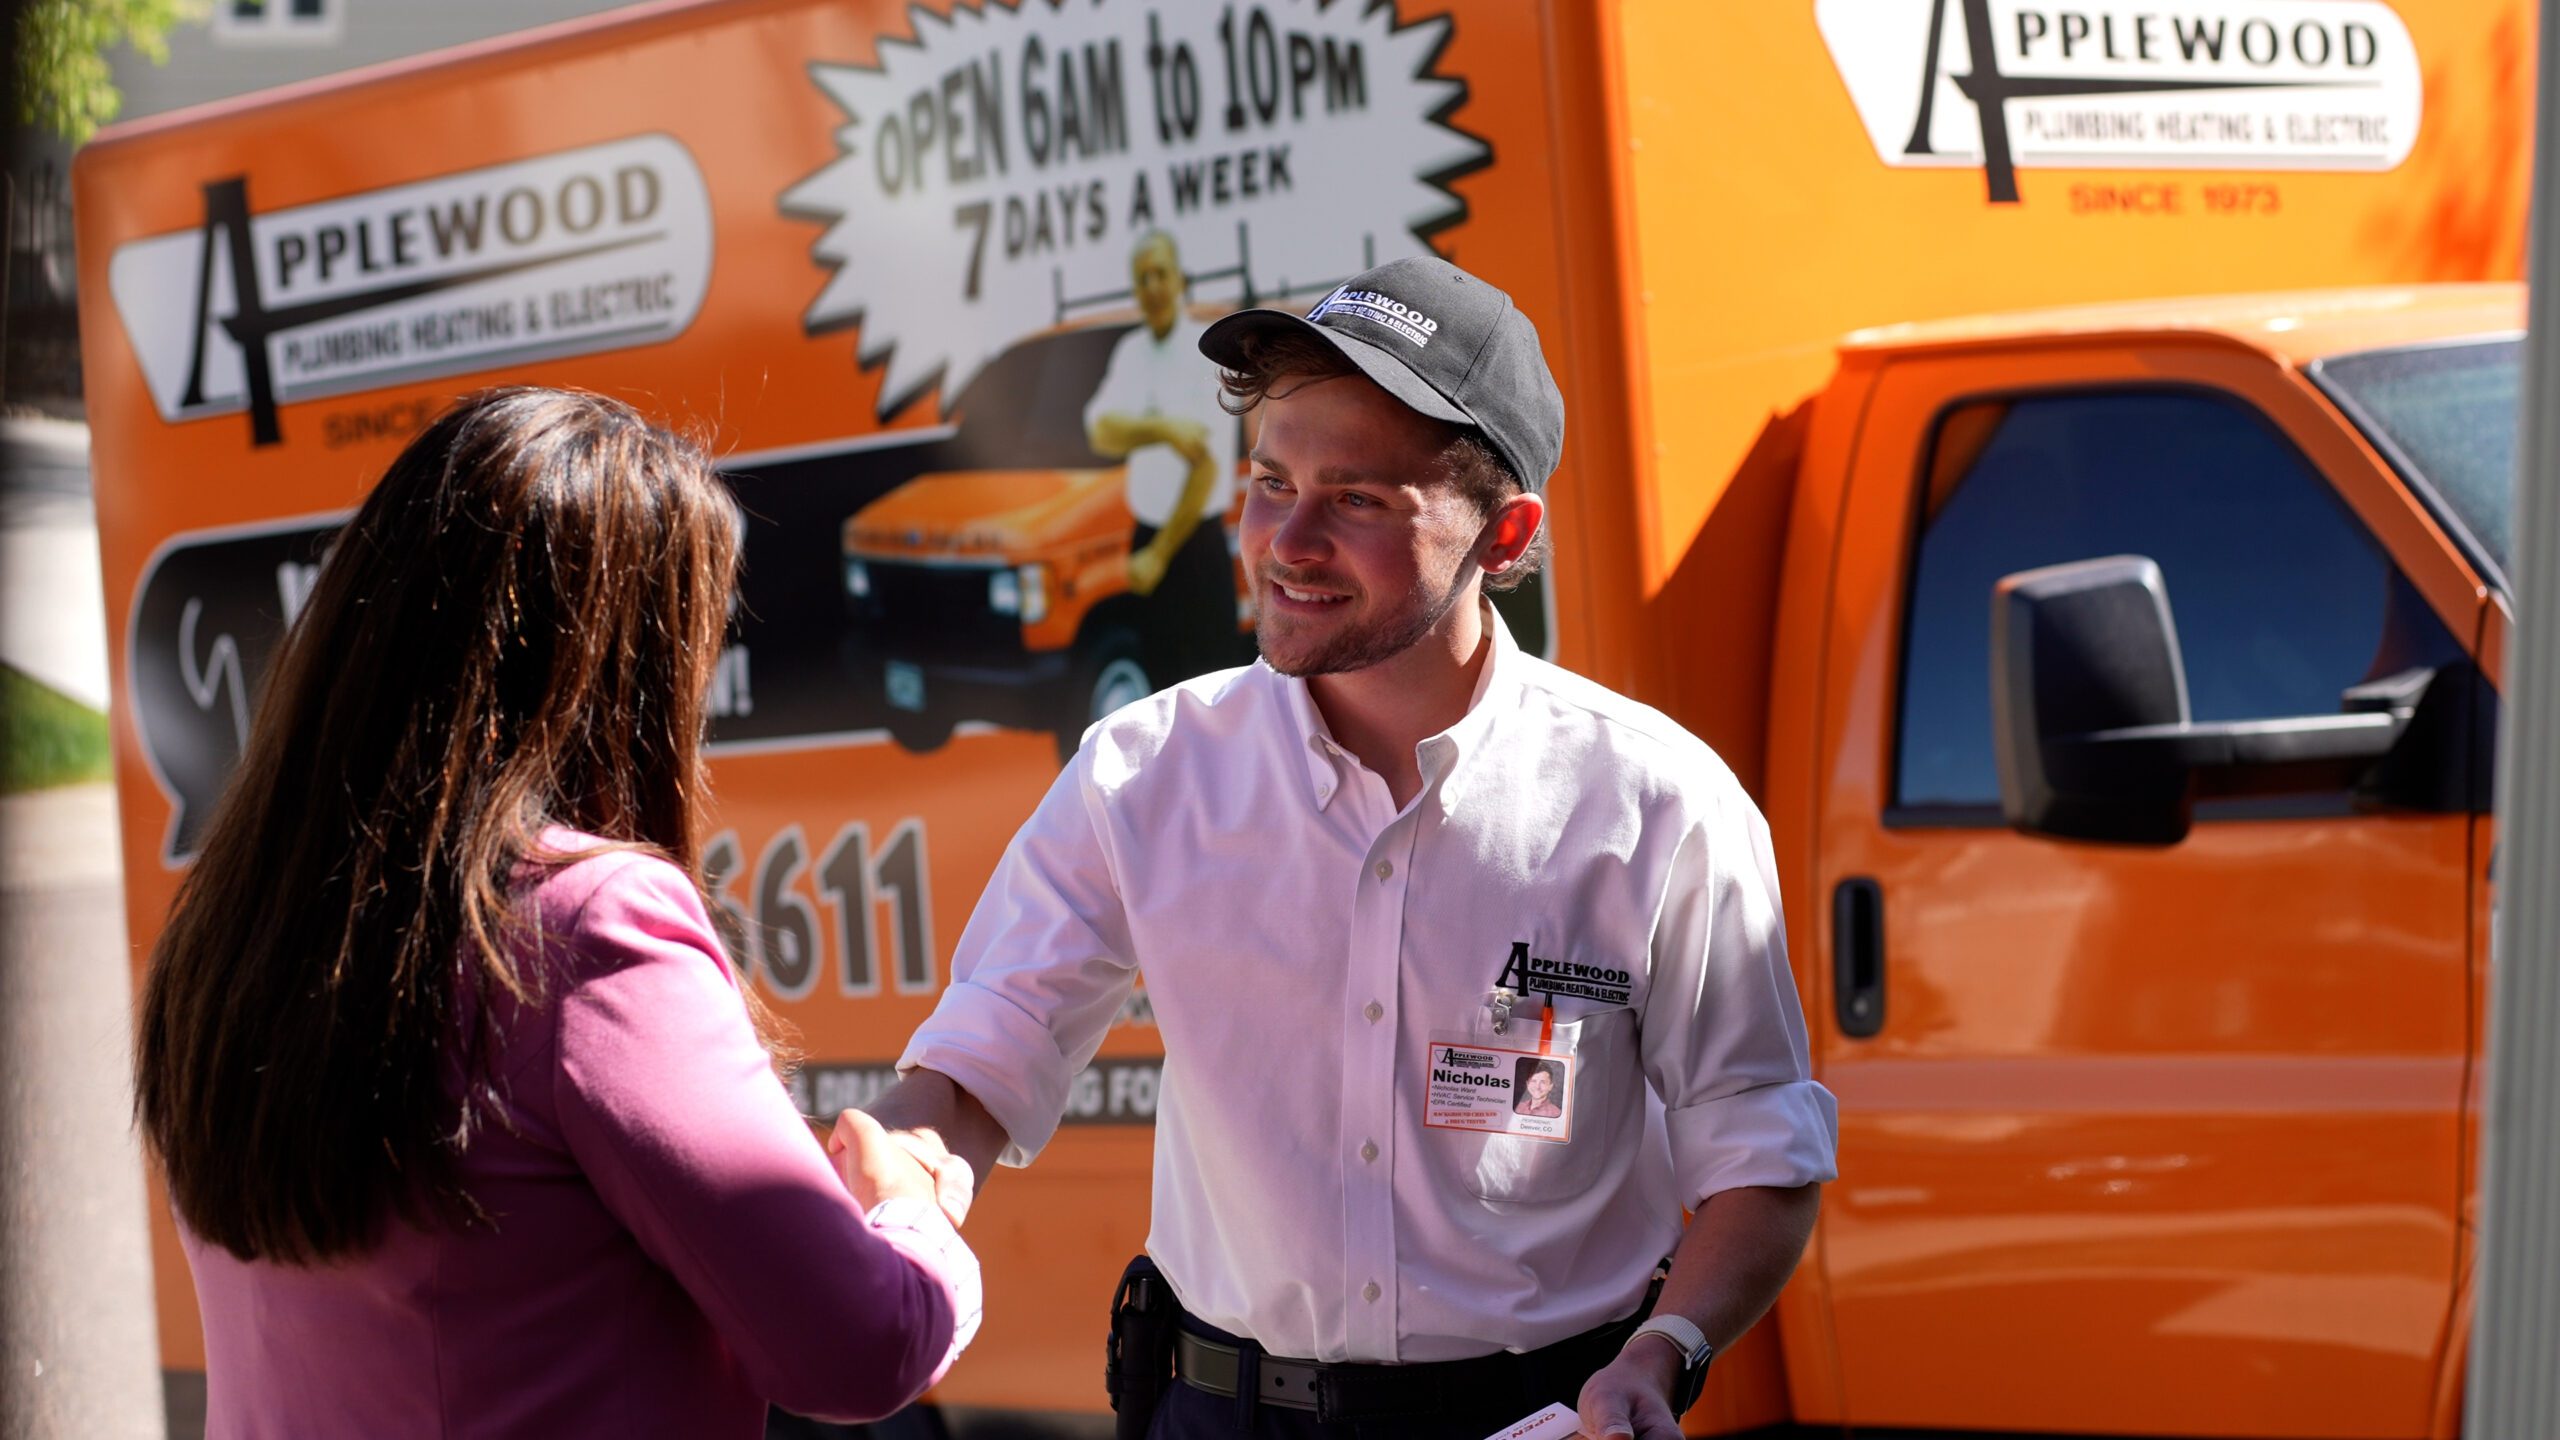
[468, 1125]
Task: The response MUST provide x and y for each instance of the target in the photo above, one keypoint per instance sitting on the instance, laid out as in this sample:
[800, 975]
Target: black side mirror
[2089, 713]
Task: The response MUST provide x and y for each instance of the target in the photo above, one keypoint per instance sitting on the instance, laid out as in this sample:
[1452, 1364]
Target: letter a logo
[1515, 971]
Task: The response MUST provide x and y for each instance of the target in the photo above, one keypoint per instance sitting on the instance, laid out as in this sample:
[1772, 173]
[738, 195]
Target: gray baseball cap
[1440, 340]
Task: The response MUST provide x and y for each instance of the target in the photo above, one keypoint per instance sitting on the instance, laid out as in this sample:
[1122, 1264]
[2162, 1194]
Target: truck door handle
[1857, 955]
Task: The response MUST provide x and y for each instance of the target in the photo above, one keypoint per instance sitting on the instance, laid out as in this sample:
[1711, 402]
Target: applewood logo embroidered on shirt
[1529, 974]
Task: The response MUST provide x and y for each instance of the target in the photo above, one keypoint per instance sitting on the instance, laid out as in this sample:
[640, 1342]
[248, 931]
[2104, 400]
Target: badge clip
[1503, 998]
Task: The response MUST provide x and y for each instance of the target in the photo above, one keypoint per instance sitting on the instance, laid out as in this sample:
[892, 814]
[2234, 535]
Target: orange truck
[2116, 667]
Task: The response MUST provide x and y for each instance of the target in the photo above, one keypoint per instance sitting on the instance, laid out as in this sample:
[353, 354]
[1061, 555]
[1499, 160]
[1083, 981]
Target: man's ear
[1507, 533]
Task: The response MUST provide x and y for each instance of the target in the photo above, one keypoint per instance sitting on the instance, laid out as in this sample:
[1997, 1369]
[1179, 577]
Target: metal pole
[2513, 1388]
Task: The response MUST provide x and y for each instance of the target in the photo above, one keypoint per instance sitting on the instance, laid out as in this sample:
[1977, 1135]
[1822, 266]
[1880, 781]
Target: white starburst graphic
[997, 169]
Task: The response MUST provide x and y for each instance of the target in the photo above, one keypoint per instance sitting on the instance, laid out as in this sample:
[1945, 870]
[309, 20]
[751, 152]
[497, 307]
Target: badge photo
[1499, 1090]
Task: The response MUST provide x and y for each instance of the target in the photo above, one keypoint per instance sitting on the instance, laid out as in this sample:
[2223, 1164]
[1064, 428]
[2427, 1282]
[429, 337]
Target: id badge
[1498, 1085]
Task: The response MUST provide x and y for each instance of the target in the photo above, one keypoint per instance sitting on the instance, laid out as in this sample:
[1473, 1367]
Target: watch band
[1694, 1351]
[1686, 1338]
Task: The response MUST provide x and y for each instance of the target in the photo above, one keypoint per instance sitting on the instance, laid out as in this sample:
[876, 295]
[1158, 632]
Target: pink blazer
[672, 1249]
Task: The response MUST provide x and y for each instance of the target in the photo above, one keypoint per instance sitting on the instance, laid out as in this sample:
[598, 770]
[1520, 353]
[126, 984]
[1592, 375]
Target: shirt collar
[1314, 742]
[1495, 685]
[1325, 761]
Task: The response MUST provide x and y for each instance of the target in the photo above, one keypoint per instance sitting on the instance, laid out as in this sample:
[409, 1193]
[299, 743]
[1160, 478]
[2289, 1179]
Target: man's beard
[1357, 647]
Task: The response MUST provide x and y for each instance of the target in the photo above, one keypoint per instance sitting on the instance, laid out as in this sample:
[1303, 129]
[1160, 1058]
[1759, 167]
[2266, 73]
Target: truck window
[2446, 416]
[2281, 598]
[1025, 410]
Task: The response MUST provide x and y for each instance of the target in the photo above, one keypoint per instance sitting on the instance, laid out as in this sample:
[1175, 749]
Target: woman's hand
[879, 1164]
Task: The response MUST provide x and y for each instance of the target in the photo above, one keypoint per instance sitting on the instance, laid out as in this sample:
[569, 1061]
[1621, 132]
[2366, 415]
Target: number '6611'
[782, 938]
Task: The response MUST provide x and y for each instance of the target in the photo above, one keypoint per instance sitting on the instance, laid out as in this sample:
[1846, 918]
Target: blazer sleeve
[670, 1106]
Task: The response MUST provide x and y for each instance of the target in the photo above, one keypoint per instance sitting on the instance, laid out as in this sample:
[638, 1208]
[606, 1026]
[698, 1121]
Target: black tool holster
[1138, 1362]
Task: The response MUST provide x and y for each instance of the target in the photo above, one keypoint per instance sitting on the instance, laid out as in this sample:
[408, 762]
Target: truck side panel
[1780, 194]
[881, 253]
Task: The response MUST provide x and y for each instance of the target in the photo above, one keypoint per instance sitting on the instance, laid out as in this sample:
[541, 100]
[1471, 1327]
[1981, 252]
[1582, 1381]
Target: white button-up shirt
[1168, 378]
[1304, 940]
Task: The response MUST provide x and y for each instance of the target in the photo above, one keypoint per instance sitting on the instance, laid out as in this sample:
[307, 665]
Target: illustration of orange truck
[998, 590]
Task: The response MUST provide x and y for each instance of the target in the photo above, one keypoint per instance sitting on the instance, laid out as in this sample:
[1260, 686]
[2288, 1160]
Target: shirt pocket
[1531, 1170]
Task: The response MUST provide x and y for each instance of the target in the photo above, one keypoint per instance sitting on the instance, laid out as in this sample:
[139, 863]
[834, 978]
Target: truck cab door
[2134, 1139]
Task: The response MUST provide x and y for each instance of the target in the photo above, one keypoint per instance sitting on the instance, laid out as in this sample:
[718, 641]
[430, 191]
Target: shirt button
[1374, 1011]
[1323, 793]
[1386, 868]
[1368, 1149]
[1370, 1292]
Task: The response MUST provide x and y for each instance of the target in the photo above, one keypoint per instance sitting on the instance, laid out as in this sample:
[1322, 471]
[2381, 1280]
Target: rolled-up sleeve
[1041, 969]
[672, 1110]
[1724, 1033]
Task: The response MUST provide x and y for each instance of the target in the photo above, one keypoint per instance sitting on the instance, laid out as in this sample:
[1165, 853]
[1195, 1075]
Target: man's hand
[1116, 435]
[1146, 570]
[1187, 438]
[1738, 1250]
[933, 1107]
[1632, 1394]
[955, 1185]
[880, 1165]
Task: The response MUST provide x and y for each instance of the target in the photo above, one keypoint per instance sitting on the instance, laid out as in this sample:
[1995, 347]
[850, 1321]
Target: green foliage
[63, 81]
[46, 738]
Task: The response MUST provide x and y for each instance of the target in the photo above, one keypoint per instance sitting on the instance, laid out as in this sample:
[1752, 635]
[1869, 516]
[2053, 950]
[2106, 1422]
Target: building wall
[214, 60]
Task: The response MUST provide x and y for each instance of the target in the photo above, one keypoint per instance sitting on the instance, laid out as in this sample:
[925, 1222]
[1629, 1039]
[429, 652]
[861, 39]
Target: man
[1538, 1091]
[1157, 408]
[1401, 853]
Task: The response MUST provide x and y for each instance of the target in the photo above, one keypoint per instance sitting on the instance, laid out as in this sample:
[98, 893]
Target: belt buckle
[1287, 1384]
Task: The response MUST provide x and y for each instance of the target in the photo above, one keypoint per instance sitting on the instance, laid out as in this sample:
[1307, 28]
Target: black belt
[1504, 1383]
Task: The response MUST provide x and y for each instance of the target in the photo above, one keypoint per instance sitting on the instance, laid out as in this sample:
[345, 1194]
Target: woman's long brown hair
[517, 630]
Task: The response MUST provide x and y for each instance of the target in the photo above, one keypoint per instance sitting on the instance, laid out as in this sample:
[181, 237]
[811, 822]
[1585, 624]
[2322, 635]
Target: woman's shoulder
[572, 865]
[584, 887]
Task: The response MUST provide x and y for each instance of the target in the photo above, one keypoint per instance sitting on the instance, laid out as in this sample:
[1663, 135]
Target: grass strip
[47, 738]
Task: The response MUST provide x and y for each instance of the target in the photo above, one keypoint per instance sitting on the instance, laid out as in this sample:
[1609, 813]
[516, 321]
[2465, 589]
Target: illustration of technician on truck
[1084, 558]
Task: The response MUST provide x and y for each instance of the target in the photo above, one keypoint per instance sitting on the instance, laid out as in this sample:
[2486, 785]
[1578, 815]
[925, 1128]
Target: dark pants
[1188, 1414]
[1190, 625]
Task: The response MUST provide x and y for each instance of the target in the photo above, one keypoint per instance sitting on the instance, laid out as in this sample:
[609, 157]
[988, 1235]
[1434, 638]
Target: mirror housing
[2090, 722]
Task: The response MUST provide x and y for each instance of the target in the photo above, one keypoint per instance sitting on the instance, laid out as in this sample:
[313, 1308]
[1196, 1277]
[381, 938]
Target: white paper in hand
[1553, 1423]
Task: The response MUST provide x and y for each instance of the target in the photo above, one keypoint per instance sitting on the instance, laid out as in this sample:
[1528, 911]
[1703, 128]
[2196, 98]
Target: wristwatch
[1694, 1350]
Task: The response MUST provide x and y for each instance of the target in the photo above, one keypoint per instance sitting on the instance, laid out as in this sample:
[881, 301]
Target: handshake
[880, 1164]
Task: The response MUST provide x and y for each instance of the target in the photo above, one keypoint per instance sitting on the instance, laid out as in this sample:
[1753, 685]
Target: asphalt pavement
[77, 1329]
[79, 1337]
